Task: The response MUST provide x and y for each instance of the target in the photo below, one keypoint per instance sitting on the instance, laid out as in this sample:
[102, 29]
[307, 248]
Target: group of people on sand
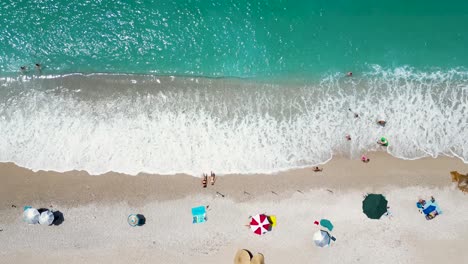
[205, 179]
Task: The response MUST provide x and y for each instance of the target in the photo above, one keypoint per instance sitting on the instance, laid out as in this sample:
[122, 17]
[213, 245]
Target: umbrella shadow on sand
[58, 218]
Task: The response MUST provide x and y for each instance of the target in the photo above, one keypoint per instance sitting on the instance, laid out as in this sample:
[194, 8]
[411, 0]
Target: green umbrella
[374, 205]
[327, 224]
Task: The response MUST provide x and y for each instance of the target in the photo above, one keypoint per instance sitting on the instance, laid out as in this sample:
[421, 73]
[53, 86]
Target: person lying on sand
[205, 180]
[212, 178]
[317, 169]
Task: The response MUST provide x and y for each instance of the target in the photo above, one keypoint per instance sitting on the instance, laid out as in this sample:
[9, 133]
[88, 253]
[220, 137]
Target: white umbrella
[322, 238]
[46, 218]
[31, 216]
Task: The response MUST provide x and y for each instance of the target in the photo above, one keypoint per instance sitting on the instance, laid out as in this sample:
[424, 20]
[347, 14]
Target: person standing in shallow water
[23, 69]
[38, 68]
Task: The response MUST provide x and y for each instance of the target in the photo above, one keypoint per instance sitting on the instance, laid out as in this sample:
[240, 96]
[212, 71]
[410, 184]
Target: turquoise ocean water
[263, 39]
[123, 88]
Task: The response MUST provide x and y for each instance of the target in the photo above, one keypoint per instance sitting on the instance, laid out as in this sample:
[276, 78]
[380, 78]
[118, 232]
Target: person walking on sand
[205, 180]
[212, 178]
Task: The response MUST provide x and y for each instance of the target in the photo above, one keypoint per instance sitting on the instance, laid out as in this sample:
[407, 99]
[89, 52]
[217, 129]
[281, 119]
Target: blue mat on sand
[199, 214]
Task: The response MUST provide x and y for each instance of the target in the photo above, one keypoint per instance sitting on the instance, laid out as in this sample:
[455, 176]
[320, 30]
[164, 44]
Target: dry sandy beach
[95, 209]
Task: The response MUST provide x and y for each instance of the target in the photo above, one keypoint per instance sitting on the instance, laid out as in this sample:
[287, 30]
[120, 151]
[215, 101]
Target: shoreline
[339, 173]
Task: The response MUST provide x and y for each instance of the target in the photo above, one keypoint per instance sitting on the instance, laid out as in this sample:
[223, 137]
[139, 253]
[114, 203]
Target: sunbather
[212, 178]
[317, 169]
[205, 180]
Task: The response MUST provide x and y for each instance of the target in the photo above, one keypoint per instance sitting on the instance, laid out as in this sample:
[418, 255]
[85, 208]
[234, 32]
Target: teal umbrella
[374, 206]
[327, 224]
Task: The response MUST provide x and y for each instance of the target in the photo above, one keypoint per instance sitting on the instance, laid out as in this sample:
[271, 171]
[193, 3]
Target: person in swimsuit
[205, 180]
[23, 69]
[382, 122]
[348, 137]
[317, 169]
[383, 142]
[212, 178]
[349, 74]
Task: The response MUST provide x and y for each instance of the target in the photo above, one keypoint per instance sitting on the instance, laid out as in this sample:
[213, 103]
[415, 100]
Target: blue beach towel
[199, 214]
[429, 209]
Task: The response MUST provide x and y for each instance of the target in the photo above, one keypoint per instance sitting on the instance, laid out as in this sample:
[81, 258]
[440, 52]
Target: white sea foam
[135, 124]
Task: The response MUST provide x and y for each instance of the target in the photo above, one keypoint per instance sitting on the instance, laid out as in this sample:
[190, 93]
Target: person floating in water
[382, 122]
[23, 69]
[212, 178]
[349, 74]
[38, 66]
[348, 137]
[383, 142]
[356, 115]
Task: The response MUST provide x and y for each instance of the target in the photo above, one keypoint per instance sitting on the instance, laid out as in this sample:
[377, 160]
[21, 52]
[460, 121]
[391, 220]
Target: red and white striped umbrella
[259, 224]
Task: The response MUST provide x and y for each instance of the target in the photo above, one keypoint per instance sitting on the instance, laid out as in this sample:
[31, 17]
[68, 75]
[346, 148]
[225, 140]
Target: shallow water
[166, 125]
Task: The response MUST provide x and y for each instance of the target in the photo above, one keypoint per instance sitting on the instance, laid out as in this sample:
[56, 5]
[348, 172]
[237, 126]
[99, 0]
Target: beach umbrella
[322, 238]
[242, 257]
[46, 218]
[258, 259]
[259, 224]
[31, 216]
[133, 220]
[374, 205]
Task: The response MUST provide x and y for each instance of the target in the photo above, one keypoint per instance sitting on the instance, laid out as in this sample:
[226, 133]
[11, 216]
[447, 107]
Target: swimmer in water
[356, 115]
[23, 69]
[348, 137]
[349, 74]
[382, 122]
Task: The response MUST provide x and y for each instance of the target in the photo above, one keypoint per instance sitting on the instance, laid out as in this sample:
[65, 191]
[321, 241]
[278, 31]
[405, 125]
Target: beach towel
[429, 209]
[198, 214]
